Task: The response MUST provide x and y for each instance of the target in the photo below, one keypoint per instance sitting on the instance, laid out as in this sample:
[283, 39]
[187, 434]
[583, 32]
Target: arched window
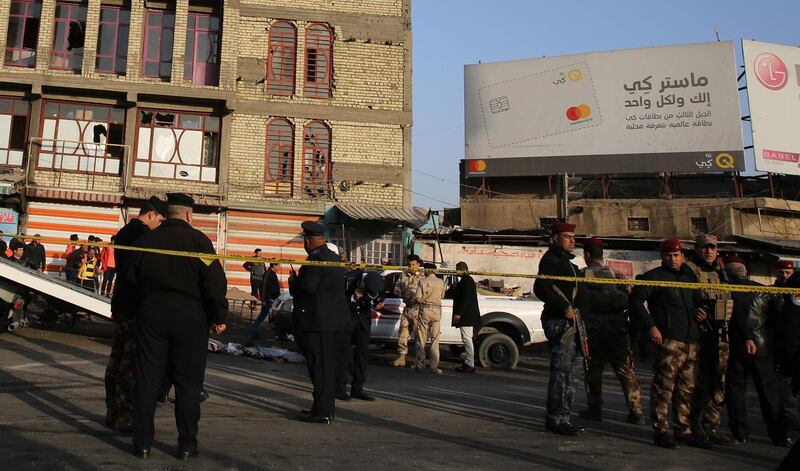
[319, 61]
[281, 58]
[279, 166]
[316, 160]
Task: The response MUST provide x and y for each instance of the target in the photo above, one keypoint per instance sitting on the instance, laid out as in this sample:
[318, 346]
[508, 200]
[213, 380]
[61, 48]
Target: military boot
[592, 413]
[718, 437]
[400, 362]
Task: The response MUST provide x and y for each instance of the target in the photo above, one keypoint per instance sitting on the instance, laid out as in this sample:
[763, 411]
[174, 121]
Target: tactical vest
[605, 301]
[87, 269]
[720, 301]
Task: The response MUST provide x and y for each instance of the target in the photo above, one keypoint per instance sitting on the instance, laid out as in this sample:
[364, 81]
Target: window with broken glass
[177, 145]
[81, 137]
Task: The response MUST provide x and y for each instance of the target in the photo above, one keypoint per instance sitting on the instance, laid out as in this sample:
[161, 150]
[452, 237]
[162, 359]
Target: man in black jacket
[270, 291]
[120, 375]
[321, 320]
[36, 254]
[788, 350]
[466, 315]
[366, 295]
[177, 300]
[751, 341]
[605, 312]
[671, 318]
[558, 320]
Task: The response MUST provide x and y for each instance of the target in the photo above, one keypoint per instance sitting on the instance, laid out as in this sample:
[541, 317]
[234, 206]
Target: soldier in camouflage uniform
[120, 379]
[430, 292]
[406, 288]
[671, 316]
[712, 360]
[605, 312]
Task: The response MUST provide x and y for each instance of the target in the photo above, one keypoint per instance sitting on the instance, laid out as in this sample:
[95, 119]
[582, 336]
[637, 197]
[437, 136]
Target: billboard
[773, 92]
[672, 108]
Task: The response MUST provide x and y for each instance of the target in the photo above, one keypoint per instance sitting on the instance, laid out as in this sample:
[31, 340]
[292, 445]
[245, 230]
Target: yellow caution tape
[208, 259]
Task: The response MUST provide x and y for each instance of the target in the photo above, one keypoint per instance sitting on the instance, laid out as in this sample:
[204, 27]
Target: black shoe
[664, 440]
[342, 396]
[308, 418]
[465, 369]
[306, 412]
[203, 395]
[718, 437]
[185, 455]
[591, 414]
[362, 395]
[564, 428]
[636, 419]
[697, 440]
[142, 453]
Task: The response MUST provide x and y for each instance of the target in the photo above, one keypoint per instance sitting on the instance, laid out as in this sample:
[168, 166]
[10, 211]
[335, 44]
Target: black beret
[180, 199]
[312, 229]
[158, 205]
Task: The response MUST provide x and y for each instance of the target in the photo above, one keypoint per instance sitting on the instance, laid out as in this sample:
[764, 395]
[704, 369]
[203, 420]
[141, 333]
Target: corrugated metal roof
[772, 244]
[414, 217]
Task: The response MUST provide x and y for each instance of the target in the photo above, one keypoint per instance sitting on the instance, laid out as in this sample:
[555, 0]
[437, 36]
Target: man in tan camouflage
[406, 288]
[430, 293]
[712, 357]
[671, 316]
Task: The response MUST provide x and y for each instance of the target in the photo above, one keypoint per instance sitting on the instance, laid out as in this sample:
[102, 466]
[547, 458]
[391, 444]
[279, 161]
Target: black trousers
[612, 348]
[322, 356]
[173, 345]
[353, 361]
[762, 369]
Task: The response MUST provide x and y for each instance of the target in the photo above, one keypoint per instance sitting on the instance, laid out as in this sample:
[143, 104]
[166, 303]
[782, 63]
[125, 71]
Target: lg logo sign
[771, 71]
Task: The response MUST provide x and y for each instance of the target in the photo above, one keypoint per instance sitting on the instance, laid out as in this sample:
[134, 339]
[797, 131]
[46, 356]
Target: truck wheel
[498, 351]
[48, 319]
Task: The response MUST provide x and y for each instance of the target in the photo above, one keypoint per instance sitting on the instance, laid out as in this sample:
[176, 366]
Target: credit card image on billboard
[537, 106]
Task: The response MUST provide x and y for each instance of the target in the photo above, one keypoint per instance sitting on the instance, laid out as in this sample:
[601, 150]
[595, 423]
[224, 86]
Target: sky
[448, 34]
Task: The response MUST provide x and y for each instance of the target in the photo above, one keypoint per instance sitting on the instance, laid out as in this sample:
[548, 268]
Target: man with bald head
[321, 320]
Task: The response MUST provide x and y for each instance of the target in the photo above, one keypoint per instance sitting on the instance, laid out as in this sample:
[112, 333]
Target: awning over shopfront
[411, 217]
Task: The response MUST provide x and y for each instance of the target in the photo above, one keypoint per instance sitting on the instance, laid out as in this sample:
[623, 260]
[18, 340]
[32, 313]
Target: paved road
[51, 413]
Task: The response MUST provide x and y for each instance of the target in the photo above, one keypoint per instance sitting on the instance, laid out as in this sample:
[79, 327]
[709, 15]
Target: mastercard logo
[476, 165]
[574, 113]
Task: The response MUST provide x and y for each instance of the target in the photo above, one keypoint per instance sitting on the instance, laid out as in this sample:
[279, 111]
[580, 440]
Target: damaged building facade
[268, 112]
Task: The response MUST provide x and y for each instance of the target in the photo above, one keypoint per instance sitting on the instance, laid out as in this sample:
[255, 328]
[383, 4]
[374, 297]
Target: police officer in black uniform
[177, 299]
[321, 320]
[365, 296]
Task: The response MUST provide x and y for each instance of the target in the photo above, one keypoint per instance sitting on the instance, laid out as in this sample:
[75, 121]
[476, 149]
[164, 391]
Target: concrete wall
[778, 219]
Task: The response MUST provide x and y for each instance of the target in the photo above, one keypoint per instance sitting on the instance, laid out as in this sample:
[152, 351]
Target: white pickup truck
[507, 323]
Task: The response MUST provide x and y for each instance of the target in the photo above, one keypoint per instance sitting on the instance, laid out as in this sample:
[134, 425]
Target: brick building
[268, 112]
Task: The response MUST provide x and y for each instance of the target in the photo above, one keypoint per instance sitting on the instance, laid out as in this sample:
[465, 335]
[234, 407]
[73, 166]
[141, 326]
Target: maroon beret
[734, 259]
[562, 226]
[785, 264]
[593, 241]
[670, 245]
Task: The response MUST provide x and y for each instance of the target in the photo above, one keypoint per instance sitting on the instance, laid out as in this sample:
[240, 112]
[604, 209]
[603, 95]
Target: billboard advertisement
[672, 108]
[773, 92]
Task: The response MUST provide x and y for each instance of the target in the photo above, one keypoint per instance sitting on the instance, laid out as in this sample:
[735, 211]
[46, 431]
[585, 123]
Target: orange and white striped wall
[232, 232]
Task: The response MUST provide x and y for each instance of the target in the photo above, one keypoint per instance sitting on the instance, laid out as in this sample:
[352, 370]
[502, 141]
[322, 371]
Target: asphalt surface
[52, 410]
